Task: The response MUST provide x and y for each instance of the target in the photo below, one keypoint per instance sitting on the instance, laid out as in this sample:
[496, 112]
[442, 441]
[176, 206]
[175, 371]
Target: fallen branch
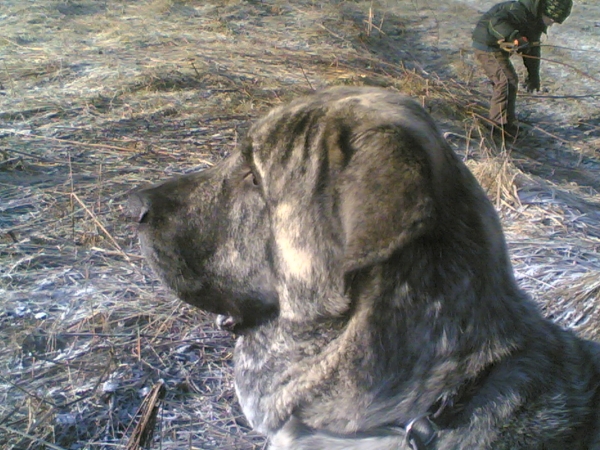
[579, 71]
[144, 430]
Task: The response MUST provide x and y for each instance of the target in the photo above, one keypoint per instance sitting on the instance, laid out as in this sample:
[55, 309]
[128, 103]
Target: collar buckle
[420, 432]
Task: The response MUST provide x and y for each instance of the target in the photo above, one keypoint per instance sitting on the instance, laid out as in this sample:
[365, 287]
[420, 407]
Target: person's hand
[521, 43]
[516, 45]
[532, 84]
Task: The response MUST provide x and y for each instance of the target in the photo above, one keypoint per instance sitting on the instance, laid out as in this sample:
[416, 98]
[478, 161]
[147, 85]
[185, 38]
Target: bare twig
[570, 66]
[104, 230]
[144, 430]
[84, 144]
[32, 438]
[306, 78]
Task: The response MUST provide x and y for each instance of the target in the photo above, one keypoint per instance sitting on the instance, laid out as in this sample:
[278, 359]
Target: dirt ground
[100, 97]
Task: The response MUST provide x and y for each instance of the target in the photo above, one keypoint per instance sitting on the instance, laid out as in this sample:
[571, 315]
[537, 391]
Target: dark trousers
[505, 82]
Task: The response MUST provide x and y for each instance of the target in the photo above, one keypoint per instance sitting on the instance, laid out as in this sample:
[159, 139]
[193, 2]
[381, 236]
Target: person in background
[508, 28]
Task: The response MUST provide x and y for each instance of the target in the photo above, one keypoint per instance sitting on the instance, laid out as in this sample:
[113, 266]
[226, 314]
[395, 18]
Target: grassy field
[100, 97]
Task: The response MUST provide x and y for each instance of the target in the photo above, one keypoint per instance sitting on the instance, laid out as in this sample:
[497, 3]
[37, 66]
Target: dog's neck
[409, 325]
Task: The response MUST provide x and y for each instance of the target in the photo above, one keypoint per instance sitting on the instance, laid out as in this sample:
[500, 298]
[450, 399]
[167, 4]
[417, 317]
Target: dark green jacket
[508, 21]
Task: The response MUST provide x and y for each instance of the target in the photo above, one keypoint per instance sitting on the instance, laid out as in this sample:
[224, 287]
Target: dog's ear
[386, 195]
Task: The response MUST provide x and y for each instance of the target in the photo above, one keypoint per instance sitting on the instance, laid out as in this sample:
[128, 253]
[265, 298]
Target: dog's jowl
[366, 275]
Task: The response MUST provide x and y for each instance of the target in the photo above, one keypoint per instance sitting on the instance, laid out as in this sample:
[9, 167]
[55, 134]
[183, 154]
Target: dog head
[206, 236]
[322, 188]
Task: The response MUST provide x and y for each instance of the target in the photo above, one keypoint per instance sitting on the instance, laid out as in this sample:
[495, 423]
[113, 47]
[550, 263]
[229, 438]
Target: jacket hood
[533, 6]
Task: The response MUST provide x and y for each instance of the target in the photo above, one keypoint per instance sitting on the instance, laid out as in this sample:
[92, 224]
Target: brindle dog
[367, 277]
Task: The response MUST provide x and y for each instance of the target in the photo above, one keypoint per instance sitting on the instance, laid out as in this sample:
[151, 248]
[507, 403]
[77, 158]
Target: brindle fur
[367, 276]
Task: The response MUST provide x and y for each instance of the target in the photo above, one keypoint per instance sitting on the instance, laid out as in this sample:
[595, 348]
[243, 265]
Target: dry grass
[101, 97]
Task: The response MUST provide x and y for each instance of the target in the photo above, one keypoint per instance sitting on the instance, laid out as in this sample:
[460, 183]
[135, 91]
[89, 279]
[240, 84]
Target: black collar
[421, 431]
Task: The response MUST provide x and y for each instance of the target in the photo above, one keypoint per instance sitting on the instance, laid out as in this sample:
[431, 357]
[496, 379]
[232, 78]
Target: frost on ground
[99, 97]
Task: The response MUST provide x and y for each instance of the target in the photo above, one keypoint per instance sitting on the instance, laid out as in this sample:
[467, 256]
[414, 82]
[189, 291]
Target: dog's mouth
[246, 307]
[196, 250]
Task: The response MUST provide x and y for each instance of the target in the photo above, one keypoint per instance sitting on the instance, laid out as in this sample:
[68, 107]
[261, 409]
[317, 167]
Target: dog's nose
[138, 206]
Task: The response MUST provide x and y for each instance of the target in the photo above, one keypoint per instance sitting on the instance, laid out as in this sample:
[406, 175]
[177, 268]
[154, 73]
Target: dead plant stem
[71, 204]
[306, 78]
[10, 79]
[570, 66]
[33, 438]
[85, 144]
[104, 230]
